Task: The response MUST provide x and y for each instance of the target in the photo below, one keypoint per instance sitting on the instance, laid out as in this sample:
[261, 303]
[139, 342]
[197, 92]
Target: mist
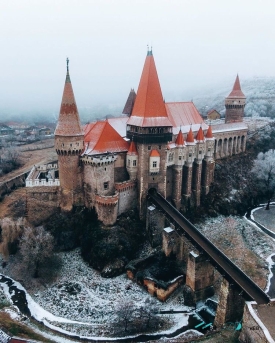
[197, 45]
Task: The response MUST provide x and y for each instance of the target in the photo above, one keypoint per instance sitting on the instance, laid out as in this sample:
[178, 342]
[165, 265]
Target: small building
[213, 115]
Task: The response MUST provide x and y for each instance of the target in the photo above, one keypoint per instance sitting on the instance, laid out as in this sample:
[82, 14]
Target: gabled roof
[180, 139]
[68, 122]
[149, 108]
[154, 153]
[132, 150]
[236, 91]
[184, 114]
[209, 133]
[190, 136]
[101, 137]
[200, 135]
[128, 108]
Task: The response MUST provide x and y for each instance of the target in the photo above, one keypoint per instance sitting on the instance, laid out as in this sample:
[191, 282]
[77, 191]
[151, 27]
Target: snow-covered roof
[228, 127]
[168, 229]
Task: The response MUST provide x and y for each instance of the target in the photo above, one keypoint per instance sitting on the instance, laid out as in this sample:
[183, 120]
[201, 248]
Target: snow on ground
[81, 302]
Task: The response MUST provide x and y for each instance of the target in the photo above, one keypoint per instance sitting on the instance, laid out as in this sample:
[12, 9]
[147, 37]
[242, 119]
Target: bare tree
[10, 233]
[36, 248]
[148, 313]
[125, 313]
[264, 171]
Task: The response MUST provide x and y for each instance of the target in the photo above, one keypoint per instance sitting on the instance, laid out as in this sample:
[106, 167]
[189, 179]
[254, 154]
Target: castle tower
[235, 103]
[197, 167]
[132, 161]
[208, 164]
[150, 128]
[188, 167]
[128, 108]
[177, 169]
[69, 143]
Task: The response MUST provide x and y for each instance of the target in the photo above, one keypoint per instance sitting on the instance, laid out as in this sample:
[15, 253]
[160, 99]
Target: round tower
[132, 161]
[69, 143]
[235, 103]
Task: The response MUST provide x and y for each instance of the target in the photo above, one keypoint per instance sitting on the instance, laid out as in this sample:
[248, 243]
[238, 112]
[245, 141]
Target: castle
[111, 164]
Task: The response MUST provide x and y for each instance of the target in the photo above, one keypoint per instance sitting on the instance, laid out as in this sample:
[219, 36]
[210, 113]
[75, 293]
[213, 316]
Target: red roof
[200, 135]
[209, 133]
[154, 153]
[68, 122]
[184, 114]
[190, 136]
[236, 91]
[149, 108]
[132, 150]
[128, 108]
[180, 139]
[101, 137]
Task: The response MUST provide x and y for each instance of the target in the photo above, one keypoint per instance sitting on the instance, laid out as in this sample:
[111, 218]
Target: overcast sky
[196, 44]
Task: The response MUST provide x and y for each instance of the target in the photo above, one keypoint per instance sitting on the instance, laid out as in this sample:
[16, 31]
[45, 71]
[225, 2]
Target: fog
[197, 45]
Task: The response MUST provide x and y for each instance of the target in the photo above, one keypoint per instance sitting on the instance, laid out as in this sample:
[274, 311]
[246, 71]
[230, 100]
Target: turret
[69, 143]
[200, 145]
[209, 143]
[235, 103]
[180, 150]
[191, 148]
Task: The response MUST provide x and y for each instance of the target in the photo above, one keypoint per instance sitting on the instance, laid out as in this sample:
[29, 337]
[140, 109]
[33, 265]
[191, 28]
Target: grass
[14, 328]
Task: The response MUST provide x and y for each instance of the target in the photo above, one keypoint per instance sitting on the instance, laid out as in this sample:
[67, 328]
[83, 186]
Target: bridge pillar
[199, 278]
[155, 222]
[230, 306]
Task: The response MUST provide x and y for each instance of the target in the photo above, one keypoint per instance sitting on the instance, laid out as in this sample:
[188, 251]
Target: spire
[149, 108]
[180, 139]
[190, 136]
[200, 135]
[209, 133]
[132, 149]
[128, 108]
[236, 91]
[68, 122]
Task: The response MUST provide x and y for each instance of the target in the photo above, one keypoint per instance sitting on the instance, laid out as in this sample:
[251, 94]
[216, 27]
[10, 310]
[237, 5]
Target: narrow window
[154, 164]
[134, 163]
[190, 155]
[106, 185]
[128, 163]
[149, 147]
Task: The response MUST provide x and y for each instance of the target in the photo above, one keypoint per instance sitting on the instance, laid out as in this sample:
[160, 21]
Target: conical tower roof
[128, 108]
[180, 139]
[190, 136]
[68, 122]
[209, 133]
[200, 135]
[236, 91]
[132, 149]
[149, 108]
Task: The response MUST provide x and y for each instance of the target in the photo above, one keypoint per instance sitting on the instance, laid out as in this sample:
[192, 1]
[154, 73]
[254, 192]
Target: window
[106, 185]
[128, 163]
[134, 163]
[149, 147]
[159, 147]
[170, 157]
[190, 155]
[200, 152]
[154, 164]
[179, 157]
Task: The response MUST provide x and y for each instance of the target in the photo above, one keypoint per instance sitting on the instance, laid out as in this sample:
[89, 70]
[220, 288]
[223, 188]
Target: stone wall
[17, 181]
[127, 195]
[160, 293]
[107, 208]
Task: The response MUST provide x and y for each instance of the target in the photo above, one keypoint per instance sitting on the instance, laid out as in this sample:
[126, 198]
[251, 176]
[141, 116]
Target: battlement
[98, 160]
[107, 200]
[125, 185]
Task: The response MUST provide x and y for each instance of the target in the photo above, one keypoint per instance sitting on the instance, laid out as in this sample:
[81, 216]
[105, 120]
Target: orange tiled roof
[149, 108]
[68, 122]
[180, 139]
[154, 153]
[200, 135]
[132, 150]
[209, 133]
[236, 91]
[190, 136]
[101, 137]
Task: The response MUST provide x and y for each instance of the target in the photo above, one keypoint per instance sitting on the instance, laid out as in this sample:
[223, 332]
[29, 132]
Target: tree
[125, 313]
[264, 171]
[36, 248]
[10, 234]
